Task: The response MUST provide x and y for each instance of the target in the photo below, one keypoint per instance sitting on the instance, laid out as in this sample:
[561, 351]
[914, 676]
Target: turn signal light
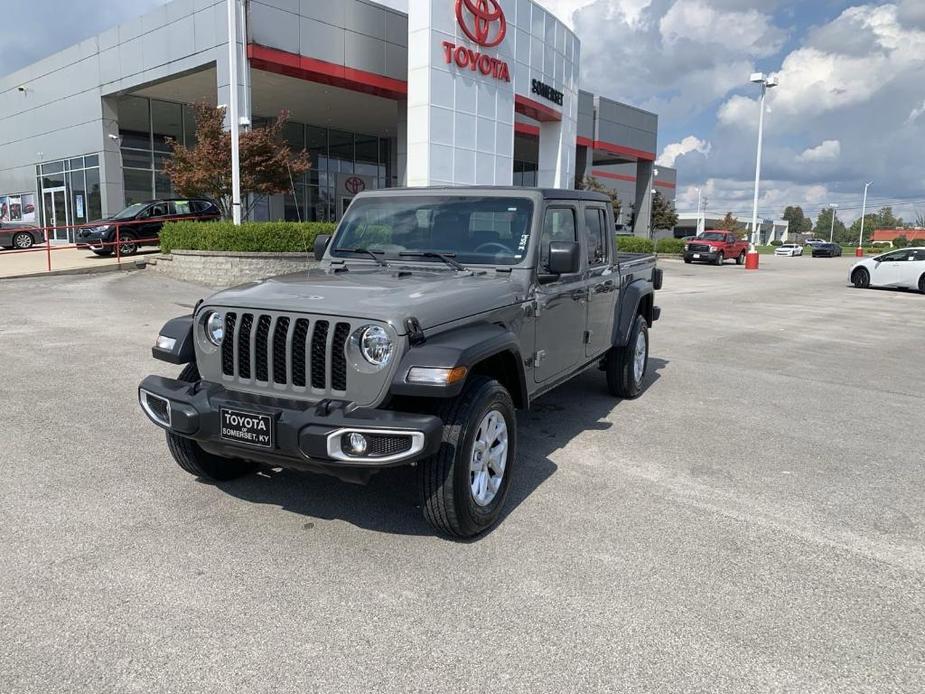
[435, 376]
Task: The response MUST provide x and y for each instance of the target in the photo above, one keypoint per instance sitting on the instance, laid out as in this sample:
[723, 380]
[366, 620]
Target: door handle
[605, 287]
[579, 294]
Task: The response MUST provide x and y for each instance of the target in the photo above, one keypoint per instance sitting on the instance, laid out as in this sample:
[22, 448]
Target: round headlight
[215, 328]
[375, 345]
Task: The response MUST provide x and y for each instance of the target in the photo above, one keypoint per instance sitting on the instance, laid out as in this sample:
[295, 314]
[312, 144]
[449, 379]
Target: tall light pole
[233, 111]
[859, 251]
[751, 260]
[834, 208]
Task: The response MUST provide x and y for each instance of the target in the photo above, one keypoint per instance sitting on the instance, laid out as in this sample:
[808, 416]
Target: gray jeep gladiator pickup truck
[435, 315]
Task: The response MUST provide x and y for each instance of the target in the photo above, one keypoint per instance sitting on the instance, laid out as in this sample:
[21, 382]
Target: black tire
[445, 479]
[740, 259]
[622, 378]
[922, 284]
[688, 261]
[860, 278]
[128, 244]
[22, 241]
[103, 252]
[719, 259]
[196, 461]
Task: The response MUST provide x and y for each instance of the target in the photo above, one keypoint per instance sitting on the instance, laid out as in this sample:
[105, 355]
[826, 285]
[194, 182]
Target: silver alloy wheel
[22, 241]
[489, 458]
[639, 357]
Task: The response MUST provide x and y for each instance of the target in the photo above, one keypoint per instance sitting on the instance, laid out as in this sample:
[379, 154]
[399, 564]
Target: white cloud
[689, 144]
[748, 32]
[915, 113]
[828, 150]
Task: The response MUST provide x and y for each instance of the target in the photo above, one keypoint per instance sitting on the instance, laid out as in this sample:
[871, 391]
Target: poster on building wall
[4, 209]
[28, 208]
[79, 200]
[15, 208]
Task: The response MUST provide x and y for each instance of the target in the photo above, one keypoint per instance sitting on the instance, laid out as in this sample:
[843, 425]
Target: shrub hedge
[670, 246]
[635, 244]
[253, 237]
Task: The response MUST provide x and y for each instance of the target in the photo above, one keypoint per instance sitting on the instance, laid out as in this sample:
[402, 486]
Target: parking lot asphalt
[753, 522]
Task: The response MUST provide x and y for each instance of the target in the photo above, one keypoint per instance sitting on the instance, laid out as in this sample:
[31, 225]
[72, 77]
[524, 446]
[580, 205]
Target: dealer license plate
[696, 255]
[247, 427]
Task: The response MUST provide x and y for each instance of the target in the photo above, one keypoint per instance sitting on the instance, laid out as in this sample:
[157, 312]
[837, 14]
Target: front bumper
[91, 239]
[702, 255]
[306, 436]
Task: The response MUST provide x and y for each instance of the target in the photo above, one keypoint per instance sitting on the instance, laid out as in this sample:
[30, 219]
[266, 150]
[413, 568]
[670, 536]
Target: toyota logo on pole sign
[354, 185]
[483, 22]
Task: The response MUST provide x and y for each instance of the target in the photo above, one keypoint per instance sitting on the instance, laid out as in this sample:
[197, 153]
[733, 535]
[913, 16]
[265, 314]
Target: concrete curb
[113, 267]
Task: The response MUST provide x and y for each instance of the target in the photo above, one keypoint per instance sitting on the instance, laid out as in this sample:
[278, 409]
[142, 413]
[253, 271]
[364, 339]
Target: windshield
[472, 230]
[713, 236]
[130, 211]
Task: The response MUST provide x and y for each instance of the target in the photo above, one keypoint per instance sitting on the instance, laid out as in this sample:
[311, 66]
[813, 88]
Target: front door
[560, 304]
[54, 207]
[602, 283]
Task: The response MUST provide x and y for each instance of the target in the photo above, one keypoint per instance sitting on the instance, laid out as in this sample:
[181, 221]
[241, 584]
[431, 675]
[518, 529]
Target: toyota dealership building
[382, 94]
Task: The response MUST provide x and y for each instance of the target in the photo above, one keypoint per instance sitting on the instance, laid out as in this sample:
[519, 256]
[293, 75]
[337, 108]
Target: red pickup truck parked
[715, 247]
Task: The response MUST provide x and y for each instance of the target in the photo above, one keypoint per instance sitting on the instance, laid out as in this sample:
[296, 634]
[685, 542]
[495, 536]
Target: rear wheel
[189, 456]
[626, 366]
[860, 278]
[463, 487]
[23, 240]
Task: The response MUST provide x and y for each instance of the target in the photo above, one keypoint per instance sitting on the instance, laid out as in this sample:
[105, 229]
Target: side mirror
[321, 245]
[564, 257]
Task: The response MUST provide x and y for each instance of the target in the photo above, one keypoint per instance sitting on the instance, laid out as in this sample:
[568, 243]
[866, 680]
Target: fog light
[356, 444]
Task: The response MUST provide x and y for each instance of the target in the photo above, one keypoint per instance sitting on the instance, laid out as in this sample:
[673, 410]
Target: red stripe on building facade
[314, 70]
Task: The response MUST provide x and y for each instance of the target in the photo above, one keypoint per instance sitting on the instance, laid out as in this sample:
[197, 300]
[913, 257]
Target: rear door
[601, 281]
[560, 304]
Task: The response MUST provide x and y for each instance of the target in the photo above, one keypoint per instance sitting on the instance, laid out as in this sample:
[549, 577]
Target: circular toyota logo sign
[482, 21]
[354, 185]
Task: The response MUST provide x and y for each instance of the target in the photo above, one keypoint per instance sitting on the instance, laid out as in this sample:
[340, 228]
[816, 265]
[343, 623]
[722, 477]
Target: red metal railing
[47, 245]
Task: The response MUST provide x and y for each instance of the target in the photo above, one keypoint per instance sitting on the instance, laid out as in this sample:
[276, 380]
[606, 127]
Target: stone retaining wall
[227, 268]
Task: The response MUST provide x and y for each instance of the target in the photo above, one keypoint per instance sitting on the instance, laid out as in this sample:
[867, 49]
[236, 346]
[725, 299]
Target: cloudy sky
[850, 106]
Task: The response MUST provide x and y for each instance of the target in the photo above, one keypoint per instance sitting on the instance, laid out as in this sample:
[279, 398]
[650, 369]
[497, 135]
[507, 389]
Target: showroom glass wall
[69, 193]
[145, 123]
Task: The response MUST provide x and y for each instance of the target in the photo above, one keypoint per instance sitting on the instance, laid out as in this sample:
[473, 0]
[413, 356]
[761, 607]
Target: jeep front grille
[294, 353]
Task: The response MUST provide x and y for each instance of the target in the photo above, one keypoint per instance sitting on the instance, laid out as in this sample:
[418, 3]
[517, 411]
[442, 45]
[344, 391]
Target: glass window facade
[81, 200]
[145, 123]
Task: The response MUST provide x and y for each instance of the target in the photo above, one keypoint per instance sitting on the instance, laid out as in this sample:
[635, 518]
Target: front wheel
[626, 366]
[463, 486]
[922, 284]
[128, 245]
[190, 456]
[102, 252]
[719, 259]
[740, 259]
[860, 278]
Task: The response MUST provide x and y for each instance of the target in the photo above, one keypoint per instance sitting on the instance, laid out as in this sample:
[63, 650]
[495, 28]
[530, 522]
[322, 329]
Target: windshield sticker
[523, 242]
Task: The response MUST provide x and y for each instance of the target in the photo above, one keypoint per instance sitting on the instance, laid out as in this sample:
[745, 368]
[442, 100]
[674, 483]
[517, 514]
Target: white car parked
[900, 268]
[790, 249]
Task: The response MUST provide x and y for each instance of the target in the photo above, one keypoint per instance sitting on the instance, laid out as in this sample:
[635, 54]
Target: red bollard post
[859, 252]
[751, 260]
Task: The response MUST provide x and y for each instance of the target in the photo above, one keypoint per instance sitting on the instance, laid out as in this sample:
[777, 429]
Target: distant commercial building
[768, 230]
[916, 236]
[416, 92]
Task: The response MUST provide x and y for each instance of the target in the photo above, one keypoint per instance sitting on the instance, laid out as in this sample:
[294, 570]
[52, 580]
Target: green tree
[732, 223]
[664, 215]
[886, 219]
[824, 225]
[591, 183]
[799, 222]
[900, 242]
[871, 222]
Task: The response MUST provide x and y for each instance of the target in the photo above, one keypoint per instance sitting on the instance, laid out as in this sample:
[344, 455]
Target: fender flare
[466, 346]
[632, 296]
[183, 352]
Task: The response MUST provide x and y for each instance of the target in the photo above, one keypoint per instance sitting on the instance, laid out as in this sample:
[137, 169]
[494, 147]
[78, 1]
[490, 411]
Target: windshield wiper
[366, 251]
[445, 257]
